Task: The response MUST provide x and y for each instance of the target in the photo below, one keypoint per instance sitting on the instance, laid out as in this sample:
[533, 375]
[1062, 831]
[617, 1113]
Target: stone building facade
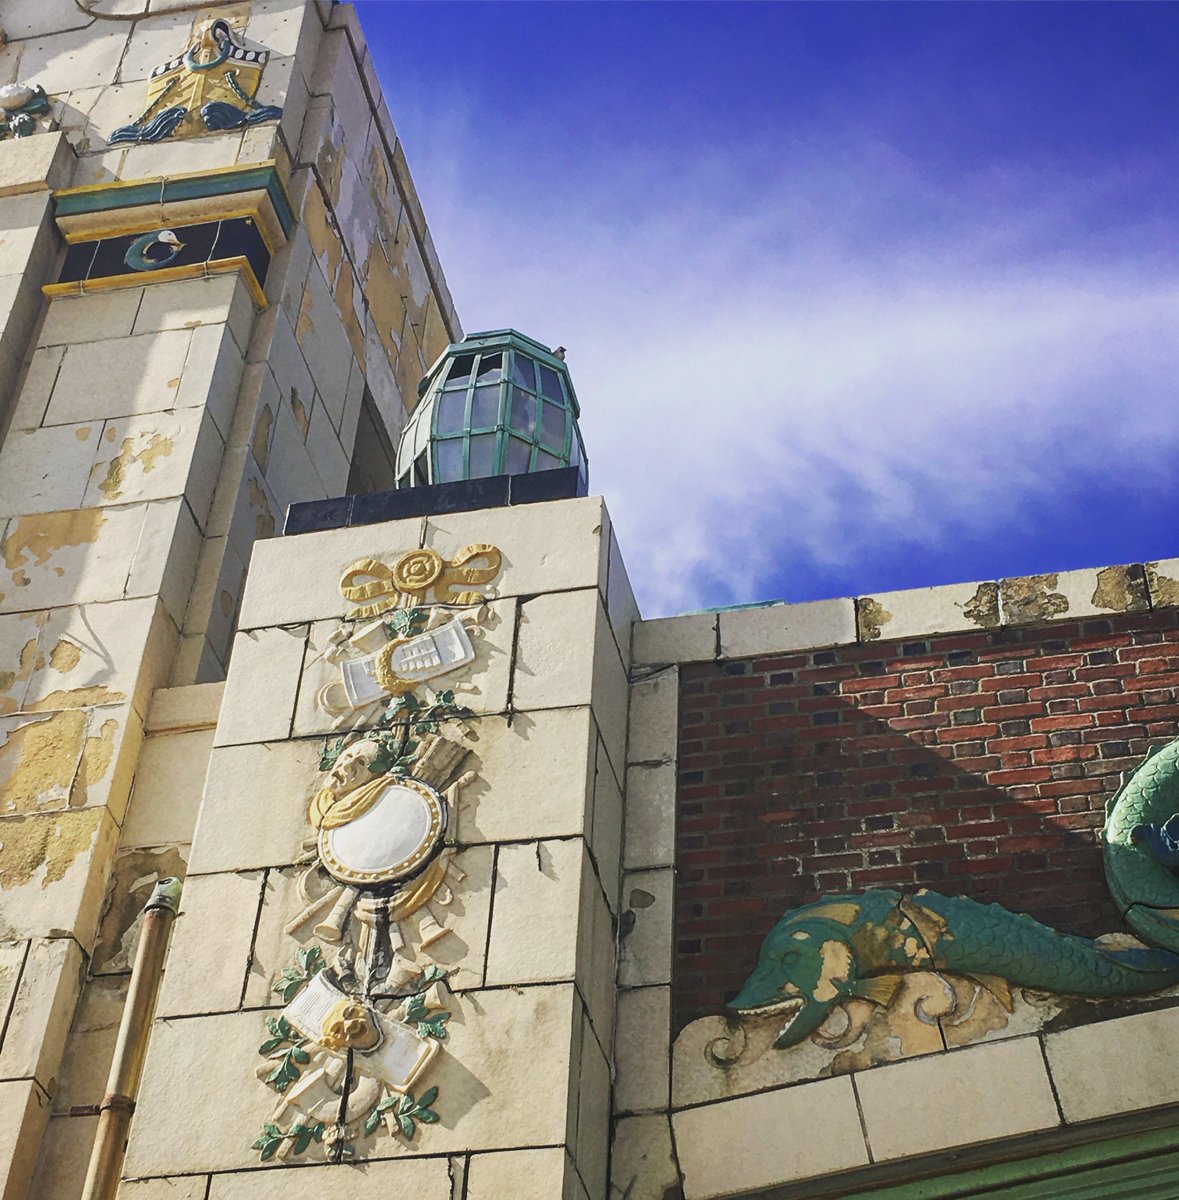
[474, 857]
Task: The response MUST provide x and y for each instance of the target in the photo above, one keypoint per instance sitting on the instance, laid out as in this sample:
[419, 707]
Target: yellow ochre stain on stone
[38, 762]
[8, 679]
[1032, 598]
[1164, 591]
[264, 520]
[52, 842]
[82, 697]
[98, 751]
[157, 447]
[305, 326]
[872, 616]
[261, 443]
[44, 533]
[300, 411]
[83, 433]
[983, 607]
[325, 241]
[346, 306]
[65, 656]
[1122, 589]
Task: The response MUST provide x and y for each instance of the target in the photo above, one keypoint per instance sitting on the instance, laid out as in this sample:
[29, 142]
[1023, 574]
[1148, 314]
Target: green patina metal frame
[1139, 1166]
[520, 360]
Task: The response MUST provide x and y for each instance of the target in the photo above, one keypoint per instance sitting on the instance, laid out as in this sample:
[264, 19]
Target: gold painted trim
[222, 266]
[119, 184]
[126, 230]
[394, 871]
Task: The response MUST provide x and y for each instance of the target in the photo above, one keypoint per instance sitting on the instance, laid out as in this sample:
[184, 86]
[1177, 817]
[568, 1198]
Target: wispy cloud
[789, 360]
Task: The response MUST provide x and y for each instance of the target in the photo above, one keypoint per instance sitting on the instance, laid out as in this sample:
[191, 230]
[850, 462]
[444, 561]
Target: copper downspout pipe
[122, 1085]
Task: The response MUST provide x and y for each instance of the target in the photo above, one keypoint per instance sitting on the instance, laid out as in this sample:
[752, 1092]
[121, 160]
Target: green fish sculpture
[860, 946]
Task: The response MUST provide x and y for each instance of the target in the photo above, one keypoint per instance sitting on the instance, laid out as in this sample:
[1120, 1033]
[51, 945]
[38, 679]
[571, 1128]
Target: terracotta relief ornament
[20, 106]
[366, 1008]
[210, 87]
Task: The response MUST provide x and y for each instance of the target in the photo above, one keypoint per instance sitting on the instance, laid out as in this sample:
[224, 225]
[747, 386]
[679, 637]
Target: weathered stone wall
[151, 435]
[524, 1073]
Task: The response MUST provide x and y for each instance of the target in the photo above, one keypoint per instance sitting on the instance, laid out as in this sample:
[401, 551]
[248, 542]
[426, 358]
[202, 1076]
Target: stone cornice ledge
[779, 628]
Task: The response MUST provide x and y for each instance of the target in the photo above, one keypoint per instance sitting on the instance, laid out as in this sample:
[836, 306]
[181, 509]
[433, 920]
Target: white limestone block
[606, 830]
[654, 717]
[75, 59]
[259, 701]
[690, 638]
[91, 1044]
[919, 612]
[140, 375]
[43, 470]
[38, 162]
[593, 1115]
[211, 944]
[645, 928]
[254, 812]
[642, 1050]
[21, 221]
[426, 1178]
[535, 915]
[212, 374]
[642, 1161]
[555, 651]
[169, 781]
[1114, 1066]
[550, 547]
[532, 776]
[772, 1138]
[42, 1010]
[983, 1092]
[650, 816]
[99, 316]
[33, 398]
[779, 628]
[517, 1173]
[24, 1113]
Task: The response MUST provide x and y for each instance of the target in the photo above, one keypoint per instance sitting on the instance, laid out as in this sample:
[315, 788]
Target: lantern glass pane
[482, 456]
[491, 368]
[523, 413]
[519, 456]
[523, 371]
[450, 460]
[546, 462]
[452, 413]
[552, 426]
[460, 370]
[550, 383]
[485, 407]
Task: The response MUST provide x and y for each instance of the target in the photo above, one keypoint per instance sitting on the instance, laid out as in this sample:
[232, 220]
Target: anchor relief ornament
[366, 1004]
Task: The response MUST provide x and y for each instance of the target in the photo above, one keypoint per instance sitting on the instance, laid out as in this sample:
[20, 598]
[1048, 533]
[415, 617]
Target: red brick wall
[976, 764]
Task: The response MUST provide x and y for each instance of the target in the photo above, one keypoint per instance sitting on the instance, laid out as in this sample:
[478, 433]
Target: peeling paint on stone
[871, 616]
[346, 304]
[1032, 598]
[1122, 589]
[1164, 591]
[83, 697]
[39, 762]
[261, 441]
[32, 843]
[9, 679]
[157, 447]
[264, 520]
[983, 607]
[96, 759]
[325, 241]
[300, 411]
[65, 656]
[131, 883]
[44, 533]
[386, 304]
[305, 325]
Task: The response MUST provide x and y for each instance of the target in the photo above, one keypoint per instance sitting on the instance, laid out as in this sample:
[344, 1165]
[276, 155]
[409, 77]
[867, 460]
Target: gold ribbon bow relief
[378, 587]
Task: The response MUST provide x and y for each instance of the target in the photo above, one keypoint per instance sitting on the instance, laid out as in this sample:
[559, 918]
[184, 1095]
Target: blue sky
[857, 297]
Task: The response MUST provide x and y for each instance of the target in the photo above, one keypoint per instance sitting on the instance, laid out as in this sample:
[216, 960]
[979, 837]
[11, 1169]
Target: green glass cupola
[495, 403]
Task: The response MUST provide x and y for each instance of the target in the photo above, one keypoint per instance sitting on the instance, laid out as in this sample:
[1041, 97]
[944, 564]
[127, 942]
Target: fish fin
[997, 986]
[841, 912]
[879, 989]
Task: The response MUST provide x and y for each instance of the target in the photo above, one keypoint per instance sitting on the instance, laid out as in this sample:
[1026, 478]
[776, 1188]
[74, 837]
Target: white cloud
[786, 362]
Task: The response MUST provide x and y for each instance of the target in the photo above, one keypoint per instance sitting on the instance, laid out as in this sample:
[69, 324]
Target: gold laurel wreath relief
[378, 587]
